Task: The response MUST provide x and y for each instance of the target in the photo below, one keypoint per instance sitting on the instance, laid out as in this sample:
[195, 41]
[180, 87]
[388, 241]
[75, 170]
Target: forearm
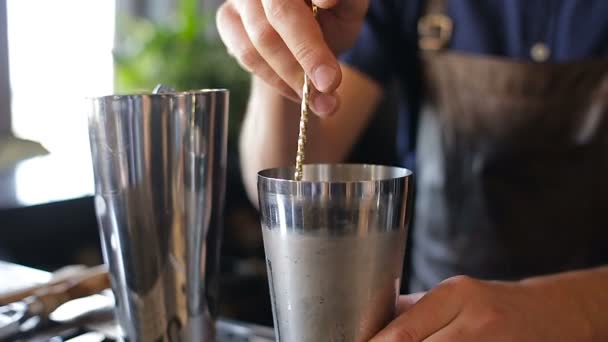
[268, 135]
[584, 292]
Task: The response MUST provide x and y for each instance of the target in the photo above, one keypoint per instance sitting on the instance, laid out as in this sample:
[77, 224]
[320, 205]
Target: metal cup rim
[172, 94]
[269, 175]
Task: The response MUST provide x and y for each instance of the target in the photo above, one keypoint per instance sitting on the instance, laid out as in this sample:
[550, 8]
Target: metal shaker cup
[334, 245]
[159, 162]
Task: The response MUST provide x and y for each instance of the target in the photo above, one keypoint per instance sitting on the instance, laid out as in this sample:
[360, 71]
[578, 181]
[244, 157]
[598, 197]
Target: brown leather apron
[512, 164]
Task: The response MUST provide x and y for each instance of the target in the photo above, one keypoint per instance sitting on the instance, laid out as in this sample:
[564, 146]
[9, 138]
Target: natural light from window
[60, 53]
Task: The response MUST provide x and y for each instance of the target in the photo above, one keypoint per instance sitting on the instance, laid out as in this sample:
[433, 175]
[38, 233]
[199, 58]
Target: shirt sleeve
[374, 52]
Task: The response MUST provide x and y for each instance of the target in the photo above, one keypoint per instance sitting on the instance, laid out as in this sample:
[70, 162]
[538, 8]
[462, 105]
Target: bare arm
[586, 292]
[269, 132]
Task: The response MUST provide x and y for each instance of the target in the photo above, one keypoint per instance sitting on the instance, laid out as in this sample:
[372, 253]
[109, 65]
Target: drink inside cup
[334, 246]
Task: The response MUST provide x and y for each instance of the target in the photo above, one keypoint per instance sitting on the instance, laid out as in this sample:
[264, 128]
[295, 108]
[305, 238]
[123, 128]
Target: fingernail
[324, 77]
[324, 104]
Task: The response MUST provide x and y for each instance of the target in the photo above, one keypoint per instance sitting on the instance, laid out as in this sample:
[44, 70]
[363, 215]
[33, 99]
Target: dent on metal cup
[159, 162]
[334, 245]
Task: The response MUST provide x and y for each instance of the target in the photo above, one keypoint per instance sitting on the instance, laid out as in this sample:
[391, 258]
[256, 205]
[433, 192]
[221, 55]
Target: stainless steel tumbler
[159, 162]
[334, 245]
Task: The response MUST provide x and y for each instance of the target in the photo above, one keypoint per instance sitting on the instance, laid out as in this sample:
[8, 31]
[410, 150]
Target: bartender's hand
[465, 309]
[277, 39]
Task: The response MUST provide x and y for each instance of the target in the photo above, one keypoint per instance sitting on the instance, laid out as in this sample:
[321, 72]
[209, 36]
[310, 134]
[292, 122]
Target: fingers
[324, 104]
[232, 32]
[276, 40]
[269, 44]
[430, 314]
[295, 24]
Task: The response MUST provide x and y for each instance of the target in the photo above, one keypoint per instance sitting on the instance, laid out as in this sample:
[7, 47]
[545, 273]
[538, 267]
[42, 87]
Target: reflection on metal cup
[159, 162]
[334, 245]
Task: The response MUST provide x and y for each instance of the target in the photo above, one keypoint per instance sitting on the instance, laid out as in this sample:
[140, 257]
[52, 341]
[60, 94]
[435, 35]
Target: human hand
[277, 40]
[465, 309]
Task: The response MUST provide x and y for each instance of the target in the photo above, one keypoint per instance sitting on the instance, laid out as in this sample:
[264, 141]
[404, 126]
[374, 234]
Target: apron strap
[434, 27]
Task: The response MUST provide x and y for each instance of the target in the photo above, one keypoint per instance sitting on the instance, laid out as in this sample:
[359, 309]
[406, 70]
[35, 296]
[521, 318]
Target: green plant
[183, 53]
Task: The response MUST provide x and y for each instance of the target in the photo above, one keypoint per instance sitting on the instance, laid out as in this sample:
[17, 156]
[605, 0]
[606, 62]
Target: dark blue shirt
[387, 46]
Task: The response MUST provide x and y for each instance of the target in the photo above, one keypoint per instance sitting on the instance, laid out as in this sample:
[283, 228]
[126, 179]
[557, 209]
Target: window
[60, 52]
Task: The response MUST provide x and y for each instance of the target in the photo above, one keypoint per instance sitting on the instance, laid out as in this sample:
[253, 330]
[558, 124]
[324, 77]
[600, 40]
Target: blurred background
[55, 54]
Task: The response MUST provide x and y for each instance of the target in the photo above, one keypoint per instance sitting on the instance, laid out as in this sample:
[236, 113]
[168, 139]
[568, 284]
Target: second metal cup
[334, 245]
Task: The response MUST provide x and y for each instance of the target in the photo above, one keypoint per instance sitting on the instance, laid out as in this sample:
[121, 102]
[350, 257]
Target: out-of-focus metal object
[95, 314]
[29, 313]
[159, 162]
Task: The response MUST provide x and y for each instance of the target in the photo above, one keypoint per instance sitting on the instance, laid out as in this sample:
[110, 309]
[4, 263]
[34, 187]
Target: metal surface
[236, 331]
[12, 316]
[334, 246]
[159, 163]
